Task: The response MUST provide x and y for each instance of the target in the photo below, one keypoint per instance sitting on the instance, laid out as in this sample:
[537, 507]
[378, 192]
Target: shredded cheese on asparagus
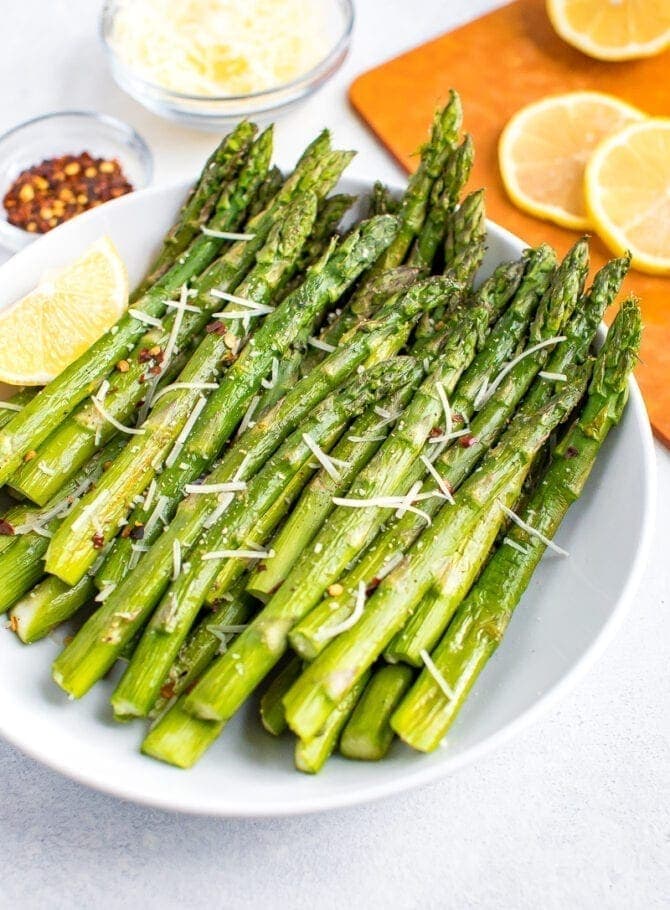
[231, 486]
[448, 418]
[121, 427]
[441, 482]
[529, 529]
[174, 386]
[226, 235]
[446, 689]
[145, 318]
[175, 451]
[487, 389]
[351, 620]
[239, 554]
[321, 345]
[324, 460]
[176, 559]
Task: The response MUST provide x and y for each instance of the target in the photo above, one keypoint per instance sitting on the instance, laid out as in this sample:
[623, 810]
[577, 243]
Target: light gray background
[572, 814]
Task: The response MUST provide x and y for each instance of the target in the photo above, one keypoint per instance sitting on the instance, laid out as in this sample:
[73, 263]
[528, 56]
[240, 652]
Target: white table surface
[571, 814]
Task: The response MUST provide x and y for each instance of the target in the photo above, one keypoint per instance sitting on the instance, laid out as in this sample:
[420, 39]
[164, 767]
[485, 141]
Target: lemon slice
[627, 187]
[69, 309]
[613, 29]
[544, 148]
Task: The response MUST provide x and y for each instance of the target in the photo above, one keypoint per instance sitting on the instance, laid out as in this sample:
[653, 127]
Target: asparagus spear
[70, 552]
[312, 754]
[331, 676]
[137, 691]
[272, 708]
[456, 463]
[219, 169]
[368, 734]
[427, 712]
[75, 440]
[49, 603]
[34, 423]
[443, 199]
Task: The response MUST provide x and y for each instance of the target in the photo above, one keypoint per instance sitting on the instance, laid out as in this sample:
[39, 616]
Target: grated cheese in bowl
[217, 48]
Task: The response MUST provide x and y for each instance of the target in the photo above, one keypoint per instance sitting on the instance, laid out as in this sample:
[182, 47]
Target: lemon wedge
[69, 309]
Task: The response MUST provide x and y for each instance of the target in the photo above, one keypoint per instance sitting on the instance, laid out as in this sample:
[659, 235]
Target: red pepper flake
[57, 189]
[466, 441]
[98, 541]
[571, 451]
[6, 530]
[167, 690]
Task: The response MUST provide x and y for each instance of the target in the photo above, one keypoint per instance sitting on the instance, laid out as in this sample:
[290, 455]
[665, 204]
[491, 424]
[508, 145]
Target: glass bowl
[67, 132]
[214, 112]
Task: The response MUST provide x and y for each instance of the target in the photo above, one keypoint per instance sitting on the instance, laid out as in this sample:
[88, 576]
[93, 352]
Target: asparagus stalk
[59, 398]
[137, 691]
[272, 708]
[368, 734]
[456, 463]
[219, 169]
[49, 603]
[312, 754]
[426, 713]
[75, 440]
[328, 680]
[443, 199]
[70, 552]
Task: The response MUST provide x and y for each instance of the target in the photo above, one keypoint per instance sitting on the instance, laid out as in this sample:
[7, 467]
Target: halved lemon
[69, 309]
[627, 186]
[613, 29]
[544, 148]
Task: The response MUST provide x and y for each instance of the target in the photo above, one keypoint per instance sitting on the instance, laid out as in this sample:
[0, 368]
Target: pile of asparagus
[324, 463]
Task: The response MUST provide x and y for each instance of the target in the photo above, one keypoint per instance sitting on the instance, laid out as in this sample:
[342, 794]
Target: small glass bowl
[67, 133]
[214, 112]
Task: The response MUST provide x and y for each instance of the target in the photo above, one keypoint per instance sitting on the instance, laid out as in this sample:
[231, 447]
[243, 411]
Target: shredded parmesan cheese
[447, 691]
[176, 559]
[215, 48]
[226, 235]
[488, 389]
[204, 386]
[239, 554]
[145, 318]
[351, 620]
[321, 345]
[122, 428]
[324, 460]
[232, 486]
[532, 531]
[186, 429]
[441, 482]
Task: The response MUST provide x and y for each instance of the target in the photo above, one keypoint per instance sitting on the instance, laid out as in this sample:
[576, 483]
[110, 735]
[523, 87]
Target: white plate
[562, 625]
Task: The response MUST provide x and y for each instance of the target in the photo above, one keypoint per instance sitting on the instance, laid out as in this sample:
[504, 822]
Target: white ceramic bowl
[564, 622]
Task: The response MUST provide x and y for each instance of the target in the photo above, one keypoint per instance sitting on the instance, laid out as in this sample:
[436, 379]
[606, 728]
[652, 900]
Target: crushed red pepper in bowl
[57, 189]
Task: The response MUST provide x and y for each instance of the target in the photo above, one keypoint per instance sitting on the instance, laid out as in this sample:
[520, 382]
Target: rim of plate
[407, 780]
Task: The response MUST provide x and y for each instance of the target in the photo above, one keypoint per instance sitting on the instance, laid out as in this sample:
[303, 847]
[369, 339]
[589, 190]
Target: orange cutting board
[498, 64]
